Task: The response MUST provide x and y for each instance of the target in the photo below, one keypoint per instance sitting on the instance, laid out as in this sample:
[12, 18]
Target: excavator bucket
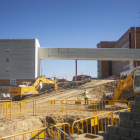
[106, 96]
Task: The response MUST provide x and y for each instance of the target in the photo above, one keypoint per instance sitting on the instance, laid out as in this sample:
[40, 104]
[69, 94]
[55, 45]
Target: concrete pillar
[131, 64]
[38, 67]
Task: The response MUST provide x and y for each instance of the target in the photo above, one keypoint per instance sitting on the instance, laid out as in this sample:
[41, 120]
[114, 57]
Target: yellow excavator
[131, 80]
[35, 87]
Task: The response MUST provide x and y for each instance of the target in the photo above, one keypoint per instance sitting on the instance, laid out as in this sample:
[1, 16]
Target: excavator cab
[136, 85]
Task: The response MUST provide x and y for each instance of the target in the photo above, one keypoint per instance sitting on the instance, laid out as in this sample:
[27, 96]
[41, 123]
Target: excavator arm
[45, 80]
[123, 85]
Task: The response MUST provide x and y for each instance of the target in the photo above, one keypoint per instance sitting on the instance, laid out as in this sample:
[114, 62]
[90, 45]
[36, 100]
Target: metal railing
[45, 104]
[8, 109]
[96, 123]
[69, 105]
[87, 125]
[42, 133]
[11, 108]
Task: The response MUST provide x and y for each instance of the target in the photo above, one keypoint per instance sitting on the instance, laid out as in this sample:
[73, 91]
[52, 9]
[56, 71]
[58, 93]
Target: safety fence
[35, 107]
[79, 105]
[7, 110]
[87, 125]
[51, 133]
[96, 123]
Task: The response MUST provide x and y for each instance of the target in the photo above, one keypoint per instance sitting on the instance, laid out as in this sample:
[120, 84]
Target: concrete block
[135, 108]
[112, 129]
[126, 115]
[126, 138]
[135, 134]
[137, 125]
[87, 136]
[137, 99]
[104, 134]
[114, 137]
[135, 116]
[124, 131]
[127, 124]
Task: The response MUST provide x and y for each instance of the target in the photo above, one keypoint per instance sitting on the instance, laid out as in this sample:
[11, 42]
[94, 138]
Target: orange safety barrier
[45, 104]
[9, 109]
[68, 105]
[96, 123]
[87, 125]
[94, 106]
[29, 134]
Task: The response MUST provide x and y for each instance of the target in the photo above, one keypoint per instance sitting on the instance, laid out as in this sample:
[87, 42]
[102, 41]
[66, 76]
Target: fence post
[10, 111]
[6, 112]
[62, 106]
[33, 108]
[66, 107]
[20, 109]
[112, 118]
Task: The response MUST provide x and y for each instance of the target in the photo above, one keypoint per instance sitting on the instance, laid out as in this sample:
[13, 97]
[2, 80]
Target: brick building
[113, 68]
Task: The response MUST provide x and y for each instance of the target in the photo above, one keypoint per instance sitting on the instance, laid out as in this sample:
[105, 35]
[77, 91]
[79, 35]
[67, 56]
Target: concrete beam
[113, 54]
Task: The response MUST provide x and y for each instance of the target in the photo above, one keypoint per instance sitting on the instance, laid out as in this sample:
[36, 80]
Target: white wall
[21, 57]
[37, 60]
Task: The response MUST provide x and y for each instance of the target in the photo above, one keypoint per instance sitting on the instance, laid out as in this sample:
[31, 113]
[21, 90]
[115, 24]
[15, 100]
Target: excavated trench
[40, 122]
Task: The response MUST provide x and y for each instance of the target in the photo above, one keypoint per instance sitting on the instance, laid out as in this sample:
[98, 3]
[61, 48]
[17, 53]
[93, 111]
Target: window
[7, 70]
[7, 49]
[12, 81]
[7, 60]
[137, 80]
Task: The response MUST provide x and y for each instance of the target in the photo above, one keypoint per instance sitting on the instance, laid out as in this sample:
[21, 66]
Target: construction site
[98, 119]
[35, 107]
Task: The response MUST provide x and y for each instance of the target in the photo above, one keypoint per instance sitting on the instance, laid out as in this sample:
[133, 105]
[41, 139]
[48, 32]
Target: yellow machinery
[133, 79]
[22, 90]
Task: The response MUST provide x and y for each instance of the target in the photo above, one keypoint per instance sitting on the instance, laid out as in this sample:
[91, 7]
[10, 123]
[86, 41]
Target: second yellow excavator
[21, 91]
[131, 80]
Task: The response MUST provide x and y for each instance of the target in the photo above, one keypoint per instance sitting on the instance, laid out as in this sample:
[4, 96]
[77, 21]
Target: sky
[68, 24]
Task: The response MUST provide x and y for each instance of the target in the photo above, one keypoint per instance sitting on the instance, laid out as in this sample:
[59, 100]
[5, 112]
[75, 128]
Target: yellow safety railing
[45, 104]
[94, 106]
[87, 125]
[96, 123]
[68, 105]
[8, 109]
[116, 118]
[45, 134]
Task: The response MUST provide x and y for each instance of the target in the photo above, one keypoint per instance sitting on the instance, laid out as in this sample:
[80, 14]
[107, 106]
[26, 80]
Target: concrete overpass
[110, 54]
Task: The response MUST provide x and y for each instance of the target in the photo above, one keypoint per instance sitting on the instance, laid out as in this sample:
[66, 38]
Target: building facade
[131, 40]
[18, 61]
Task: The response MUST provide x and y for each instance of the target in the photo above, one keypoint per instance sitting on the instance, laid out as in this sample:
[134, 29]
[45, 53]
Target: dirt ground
[28, 122]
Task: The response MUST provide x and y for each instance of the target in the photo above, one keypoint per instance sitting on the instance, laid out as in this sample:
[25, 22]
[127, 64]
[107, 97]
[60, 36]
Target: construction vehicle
[21, 91]
[131, 80]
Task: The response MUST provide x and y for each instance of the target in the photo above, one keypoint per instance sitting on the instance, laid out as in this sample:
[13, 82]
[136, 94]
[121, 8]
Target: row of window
[121, 68]
[120, 62]
[98, 74]
[122, 41]
[125, 45]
